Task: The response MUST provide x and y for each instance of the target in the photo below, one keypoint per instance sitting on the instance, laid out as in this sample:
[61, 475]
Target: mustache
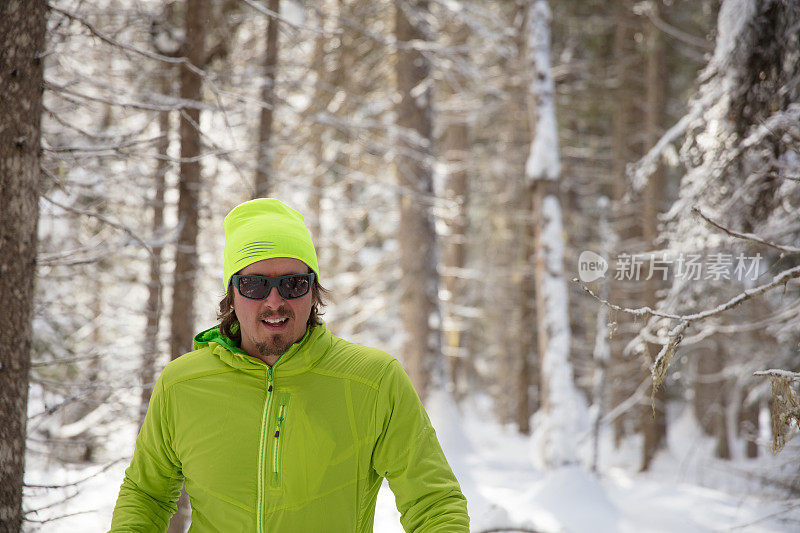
[281, 312]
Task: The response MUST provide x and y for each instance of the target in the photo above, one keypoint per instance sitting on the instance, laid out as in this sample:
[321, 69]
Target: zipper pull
[280, 421]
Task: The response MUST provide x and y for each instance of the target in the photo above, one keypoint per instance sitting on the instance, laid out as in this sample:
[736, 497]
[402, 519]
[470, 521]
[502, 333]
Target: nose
[274, 298]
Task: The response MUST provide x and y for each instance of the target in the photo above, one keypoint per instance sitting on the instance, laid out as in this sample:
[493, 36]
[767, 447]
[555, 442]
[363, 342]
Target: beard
[277, 346]
[278, 343]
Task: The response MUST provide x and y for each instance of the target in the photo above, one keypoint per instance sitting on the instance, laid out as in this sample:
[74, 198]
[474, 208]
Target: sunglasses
[258, 287]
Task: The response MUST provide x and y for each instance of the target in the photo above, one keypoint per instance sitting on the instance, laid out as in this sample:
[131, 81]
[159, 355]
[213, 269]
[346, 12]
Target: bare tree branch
[747, 236]
[57, 517]
[107, 148]
[104, 219]
[687, 38]
[780, 279]
[675, 336]
[176, 105]
[110, 40]
[67, 360]
[79, 481]
[627, 404]
[289, 23]
[89, 135]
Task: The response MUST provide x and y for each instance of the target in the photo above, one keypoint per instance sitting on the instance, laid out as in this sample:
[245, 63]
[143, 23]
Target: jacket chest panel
[217, 427]
[318, 448]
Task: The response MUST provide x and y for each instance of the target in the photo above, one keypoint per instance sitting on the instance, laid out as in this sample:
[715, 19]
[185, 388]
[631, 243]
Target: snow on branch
[733, 29]
[782, 121]
[778, 373]
[640, 171]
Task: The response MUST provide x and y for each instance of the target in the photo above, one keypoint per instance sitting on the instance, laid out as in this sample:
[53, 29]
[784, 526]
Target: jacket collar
[300, 357]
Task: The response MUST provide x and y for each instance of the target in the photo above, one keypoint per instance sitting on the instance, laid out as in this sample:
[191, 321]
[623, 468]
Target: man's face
[262, 335]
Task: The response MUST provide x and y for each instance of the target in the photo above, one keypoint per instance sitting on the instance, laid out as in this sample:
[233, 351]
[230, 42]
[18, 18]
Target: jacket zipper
[261, 455]
[276, 450]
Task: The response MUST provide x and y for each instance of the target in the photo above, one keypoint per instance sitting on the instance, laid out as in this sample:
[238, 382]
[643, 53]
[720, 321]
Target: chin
[275, 346]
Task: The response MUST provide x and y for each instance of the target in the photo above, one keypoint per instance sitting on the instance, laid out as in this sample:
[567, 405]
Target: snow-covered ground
[686, 491]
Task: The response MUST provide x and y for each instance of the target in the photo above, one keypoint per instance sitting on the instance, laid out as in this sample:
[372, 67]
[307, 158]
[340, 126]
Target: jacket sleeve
[150, 490]
[408, 454]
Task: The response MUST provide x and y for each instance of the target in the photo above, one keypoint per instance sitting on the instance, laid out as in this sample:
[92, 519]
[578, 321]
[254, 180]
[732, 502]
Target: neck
[270, 360]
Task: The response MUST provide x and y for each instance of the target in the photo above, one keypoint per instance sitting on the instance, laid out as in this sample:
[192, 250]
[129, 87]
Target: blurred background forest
[451, 178]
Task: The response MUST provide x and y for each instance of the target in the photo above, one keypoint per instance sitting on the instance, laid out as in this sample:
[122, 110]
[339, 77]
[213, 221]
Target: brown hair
[229, 324]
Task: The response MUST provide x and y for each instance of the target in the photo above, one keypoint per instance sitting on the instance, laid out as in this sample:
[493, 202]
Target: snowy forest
[576, 223]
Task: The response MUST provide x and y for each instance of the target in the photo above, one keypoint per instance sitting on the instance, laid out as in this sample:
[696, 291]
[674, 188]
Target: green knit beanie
[262, 229]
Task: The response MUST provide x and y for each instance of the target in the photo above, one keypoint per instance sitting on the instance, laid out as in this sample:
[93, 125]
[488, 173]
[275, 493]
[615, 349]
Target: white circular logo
[591, 266]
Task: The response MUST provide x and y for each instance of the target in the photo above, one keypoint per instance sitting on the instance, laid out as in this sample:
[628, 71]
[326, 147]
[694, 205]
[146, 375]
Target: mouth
[275, 323]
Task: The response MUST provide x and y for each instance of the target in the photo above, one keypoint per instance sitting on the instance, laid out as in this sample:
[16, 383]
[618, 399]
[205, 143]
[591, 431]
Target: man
[275, 424]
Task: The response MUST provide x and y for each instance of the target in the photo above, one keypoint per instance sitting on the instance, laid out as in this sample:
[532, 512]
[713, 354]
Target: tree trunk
[186, 260]
[22, 25]
[510, 269]
[601, 355]
[527, 346]
[182, 315]
[417, 238]
[561, 414]
[154, 298]
[318, 66]
[328, 82]
[529, 341]
[623, 374]
[710, 396]
[455, 152]
[748, 425]
[263, 182]
[653, 417]
[537, 193]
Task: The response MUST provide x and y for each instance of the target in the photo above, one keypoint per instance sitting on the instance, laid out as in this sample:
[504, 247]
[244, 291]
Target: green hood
[213, 334]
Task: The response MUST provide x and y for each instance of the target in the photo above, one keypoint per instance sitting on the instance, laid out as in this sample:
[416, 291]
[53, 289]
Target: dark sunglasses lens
[253, 287]
[294, 286]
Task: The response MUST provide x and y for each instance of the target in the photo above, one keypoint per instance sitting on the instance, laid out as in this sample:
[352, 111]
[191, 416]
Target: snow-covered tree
[739, 196]
[562, 415]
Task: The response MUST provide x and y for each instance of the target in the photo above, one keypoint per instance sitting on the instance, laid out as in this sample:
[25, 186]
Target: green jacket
[300, 447]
